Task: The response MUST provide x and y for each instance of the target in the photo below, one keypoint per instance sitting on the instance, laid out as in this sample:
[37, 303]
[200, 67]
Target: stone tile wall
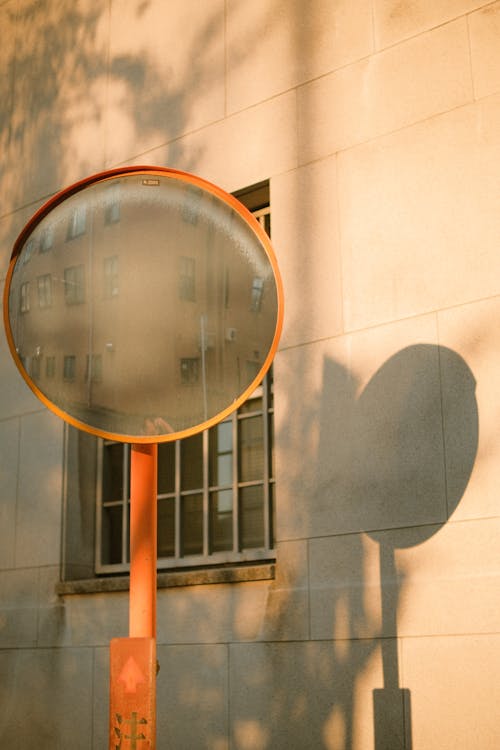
[377, 124]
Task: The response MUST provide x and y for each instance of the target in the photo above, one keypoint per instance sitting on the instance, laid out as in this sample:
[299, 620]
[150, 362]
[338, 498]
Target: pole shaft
[143, 546]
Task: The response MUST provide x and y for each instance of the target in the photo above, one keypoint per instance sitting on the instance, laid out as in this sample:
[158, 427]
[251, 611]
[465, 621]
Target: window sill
[236, 574]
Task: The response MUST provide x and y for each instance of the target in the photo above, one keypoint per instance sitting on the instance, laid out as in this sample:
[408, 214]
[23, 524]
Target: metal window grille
[215, 494]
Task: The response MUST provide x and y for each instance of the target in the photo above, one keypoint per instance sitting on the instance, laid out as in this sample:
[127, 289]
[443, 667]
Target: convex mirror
[143, 304]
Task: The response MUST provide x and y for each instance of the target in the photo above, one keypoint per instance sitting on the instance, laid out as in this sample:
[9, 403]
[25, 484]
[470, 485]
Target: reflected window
[257, 291]
[35, 366]
[78, 221]
[190, 209]
[28, 250]
[47, 239]
[50, 366]
[69, 367]
[24, 297]
[93, 368]
[190, 370]
[187, 271]
[44, 285]
[110, 271]
[74, 285]
[112, 210]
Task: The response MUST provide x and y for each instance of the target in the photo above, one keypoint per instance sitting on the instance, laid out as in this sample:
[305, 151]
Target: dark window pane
[166, 468]
[127, 553]
[192, 463]
[221, 520]
[251, 449]
[252, 517]
[190, 370]
[273, 512]
[166, 528]
[192, 524]
[270, 422]
[112, 472]
[111, 550]
[221, 454]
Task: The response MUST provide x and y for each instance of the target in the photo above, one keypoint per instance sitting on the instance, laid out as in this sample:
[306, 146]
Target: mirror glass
[144, 304]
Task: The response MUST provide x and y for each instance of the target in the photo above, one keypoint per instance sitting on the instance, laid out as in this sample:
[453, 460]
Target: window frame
[208, 558]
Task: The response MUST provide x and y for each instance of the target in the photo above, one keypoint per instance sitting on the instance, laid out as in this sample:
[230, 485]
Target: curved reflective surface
[143, 305]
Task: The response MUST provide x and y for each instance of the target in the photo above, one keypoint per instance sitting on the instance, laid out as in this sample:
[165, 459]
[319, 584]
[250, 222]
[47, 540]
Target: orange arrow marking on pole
[131, 675]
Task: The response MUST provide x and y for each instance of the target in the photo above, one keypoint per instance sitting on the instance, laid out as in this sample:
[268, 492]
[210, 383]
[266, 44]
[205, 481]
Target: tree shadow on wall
[71, 105]
[393, 463]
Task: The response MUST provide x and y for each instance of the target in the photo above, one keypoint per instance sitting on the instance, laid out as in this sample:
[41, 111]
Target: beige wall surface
[377, 123]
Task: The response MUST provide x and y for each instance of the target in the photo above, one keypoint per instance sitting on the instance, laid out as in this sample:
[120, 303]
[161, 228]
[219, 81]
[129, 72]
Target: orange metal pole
[133, 660]
[143, 546]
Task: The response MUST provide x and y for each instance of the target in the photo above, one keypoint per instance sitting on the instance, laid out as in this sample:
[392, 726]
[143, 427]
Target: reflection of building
[180, 352]
[375, 624]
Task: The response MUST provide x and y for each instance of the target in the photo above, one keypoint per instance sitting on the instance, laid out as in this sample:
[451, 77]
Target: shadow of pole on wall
[417, 431]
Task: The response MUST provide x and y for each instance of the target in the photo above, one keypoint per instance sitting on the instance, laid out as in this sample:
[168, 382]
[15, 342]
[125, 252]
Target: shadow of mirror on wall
[384, 464]
[416, 433]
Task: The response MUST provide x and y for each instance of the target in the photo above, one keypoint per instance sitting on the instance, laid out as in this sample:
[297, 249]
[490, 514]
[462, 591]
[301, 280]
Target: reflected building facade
[161, 299]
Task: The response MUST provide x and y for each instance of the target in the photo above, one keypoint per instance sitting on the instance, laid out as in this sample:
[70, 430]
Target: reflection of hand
[157, 426]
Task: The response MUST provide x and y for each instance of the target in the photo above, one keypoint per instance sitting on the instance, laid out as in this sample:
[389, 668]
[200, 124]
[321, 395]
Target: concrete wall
[378, 125]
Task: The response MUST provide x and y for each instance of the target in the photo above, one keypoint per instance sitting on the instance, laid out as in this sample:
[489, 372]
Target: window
[190, 209]
[257, 291]
[74, 285]
[93, 368]
[112, 206]
[187, 271]
[35, 366]
[28, 251]
[24, 297]
[110, 272]
[69, 367]
[190, 369]
[50, 366]
[44, 284]
[77, 222]
[215, 494]
[47, 239]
